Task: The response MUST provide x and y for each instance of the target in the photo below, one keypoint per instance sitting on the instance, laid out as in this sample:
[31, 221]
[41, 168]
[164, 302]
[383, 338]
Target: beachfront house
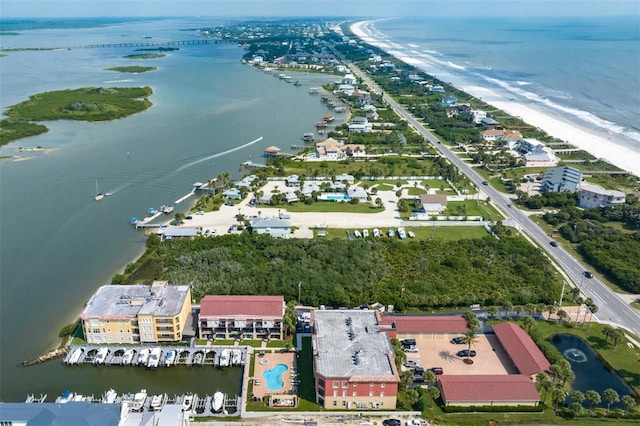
[232, 194]
[541, 156]
[135, 314]
[241, 317]
[277, 227]
[561, 179]
[593, 196]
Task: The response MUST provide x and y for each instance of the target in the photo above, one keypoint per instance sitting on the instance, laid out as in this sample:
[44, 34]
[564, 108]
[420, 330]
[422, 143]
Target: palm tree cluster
[616, 334]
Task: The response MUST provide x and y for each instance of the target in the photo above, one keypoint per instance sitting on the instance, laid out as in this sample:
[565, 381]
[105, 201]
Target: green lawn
[384, 187]
[451, 233]
[327, 207]
[416, 191]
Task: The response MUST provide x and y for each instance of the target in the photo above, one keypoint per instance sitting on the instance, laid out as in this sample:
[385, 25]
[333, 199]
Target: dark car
[392, 422]
[588, 274]
[466, 352]
[418, 371]
[408, 342]
[458, 340]
[553, 244]
[437, 370]
[229, 203]
[484, 182]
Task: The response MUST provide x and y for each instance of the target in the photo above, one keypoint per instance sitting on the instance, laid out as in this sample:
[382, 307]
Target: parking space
[437, 351]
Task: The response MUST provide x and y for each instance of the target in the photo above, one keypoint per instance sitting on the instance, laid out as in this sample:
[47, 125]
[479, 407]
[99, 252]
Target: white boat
[411, 234]
[156, 402]
[217, 401]
[75, 356]
[402, 234]
[99, 195]
[186, 402]
[365, 233]
[224, 358]
[138, 400]
[101, 356]
[357, 233]
[166, 209]
[391, 232]
[65, 397]
[236, 357]
[143, 358]
[170, 359]
[109, 397]
[154, 358]
[376, 232]
[127, 357]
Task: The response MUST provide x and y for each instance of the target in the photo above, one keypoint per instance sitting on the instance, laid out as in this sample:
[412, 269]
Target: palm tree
[530, 307]
[430, 377]
[562, 315]
[607, 331]
[492, 310]
[470, 339]
[629, 402]
[434, 392]
[592, 397]
[557, 396]
[528, 322]
[518, 309]
[616, 335]
[507, 306]
[610, 396]
[577, 396]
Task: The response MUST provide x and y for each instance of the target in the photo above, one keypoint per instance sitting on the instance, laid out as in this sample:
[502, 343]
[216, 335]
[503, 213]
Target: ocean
[58, 245]
[583, 71]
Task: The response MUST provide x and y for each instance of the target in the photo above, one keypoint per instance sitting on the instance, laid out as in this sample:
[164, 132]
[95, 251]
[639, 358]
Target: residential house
[561, 179]
[291, 196]
[174, 232]
[349, 79]
[345, 177]
[592, 196]
[433, 203]
[247, 182]
[492, 135]
[360, 125]
[135, 314]
[357, 192]
[477, 116]
[449, 101]
[346, 89]
[489, 123]
[354, 150]
[353, 361]
[436, 89]
[246, 317]
[329, 149]
[292, 180]
[541, 156]
[309, 188]
[275, 226]
[232, 194]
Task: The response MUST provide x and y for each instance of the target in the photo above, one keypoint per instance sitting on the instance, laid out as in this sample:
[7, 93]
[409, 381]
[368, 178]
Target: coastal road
[611, 307]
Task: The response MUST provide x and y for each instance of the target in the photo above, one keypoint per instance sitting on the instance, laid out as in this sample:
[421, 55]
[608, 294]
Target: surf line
[210, 157]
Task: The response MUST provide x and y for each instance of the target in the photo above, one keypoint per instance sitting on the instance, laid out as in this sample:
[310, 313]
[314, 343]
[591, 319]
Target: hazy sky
[368, 8]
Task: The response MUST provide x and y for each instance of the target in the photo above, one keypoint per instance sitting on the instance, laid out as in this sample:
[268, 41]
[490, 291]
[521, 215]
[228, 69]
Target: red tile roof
[426, 323]
[242, 306]
[483, 389]
[522, 350]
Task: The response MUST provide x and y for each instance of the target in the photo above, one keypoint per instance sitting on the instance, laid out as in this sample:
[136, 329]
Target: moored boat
[154, 358]
[75, 356]
[101, 356]
[217, 401]
[156, 402]
[127, 357]
[166, 209]
[170, 359]
[224, 358]
[138, 400]
[143, 358]
[65, 397]
[110, 396]
[186, 402]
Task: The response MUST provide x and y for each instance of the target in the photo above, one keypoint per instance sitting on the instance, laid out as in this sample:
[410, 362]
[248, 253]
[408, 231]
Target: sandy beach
[608, 149]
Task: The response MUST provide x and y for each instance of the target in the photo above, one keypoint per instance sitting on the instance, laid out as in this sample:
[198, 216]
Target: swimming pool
[273, 377]
[333, 197]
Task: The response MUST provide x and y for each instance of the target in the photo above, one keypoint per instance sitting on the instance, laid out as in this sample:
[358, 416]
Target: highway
[611, 308]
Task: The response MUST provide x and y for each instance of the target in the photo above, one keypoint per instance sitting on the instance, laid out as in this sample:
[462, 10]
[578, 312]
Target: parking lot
[437, 351]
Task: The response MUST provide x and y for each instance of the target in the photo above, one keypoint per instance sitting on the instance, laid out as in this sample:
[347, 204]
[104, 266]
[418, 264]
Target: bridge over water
[151, 44]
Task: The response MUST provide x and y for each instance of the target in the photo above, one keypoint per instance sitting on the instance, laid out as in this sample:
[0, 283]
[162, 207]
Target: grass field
[134, 69]
[327, 207]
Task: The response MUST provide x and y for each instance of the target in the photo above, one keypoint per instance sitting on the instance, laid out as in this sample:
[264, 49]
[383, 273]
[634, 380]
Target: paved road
[611, 307]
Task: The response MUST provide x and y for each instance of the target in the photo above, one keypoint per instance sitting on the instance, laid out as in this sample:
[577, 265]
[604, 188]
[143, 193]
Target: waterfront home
[246, 317]
[346, 89]
[354, 150]
[489, 123]
[329, 149]
[272, 151]
[247, 182]
[353, 361]
[359, 125]
[541, 156]
[433, 203]
[477, 116]
[276, 226]
[232, 194]
[154, 313]
[561, 179]
[592, 196]
[436, 89]
[174, 232]
[349, 79]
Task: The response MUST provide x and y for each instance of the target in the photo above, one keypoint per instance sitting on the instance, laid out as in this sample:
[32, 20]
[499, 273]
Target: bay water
[58, 245]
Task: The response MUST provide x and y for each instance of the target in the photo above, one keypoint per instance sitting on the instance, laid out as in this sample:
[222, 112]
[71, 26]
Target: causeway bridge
[150, 44]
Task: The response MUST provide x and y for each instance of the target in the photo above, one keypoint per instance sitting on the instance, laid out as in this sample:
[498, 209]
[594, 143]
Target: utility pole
[299, 284]
[562, 294]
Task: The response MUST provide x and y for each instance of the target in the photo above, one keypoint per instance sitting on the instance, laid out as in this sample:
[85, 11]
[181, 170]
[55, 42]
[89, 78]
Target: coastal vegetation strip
[15, 129]
[145, 56]
[421, 274]
[134, 69]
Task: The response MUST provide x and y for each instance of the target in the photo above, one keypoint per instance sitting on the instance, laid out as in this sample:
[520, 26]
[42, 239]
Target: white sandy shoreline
[608, 149]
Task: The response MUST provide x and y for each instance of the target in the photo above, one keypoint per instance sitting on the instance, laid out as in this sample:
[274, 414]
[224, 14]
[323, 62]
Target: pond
[591, 373]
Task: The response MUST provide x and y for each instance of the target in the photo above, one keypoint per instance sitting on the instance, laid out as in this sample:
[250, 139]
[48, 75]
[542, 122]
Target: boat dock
[168, 356]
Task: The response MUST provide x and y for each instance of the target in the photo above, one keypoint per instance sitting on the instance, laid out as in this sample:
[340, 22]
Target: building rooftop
[433, 199]
[597, 189]
[270, 222]
[128, 301]
[522, 350]
[349, 345]
[488, 388]
[426, 323]
[242, 306]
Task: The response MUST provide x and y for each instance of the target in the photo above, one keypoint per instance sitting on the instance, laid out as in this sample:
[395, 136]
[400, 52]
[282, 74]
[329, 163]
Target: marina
[158, 356]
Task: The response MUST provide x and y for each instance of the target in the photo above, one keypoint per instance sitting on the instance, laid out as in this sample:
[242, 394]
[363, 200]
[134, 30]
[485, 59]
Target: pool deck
[259, 386]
